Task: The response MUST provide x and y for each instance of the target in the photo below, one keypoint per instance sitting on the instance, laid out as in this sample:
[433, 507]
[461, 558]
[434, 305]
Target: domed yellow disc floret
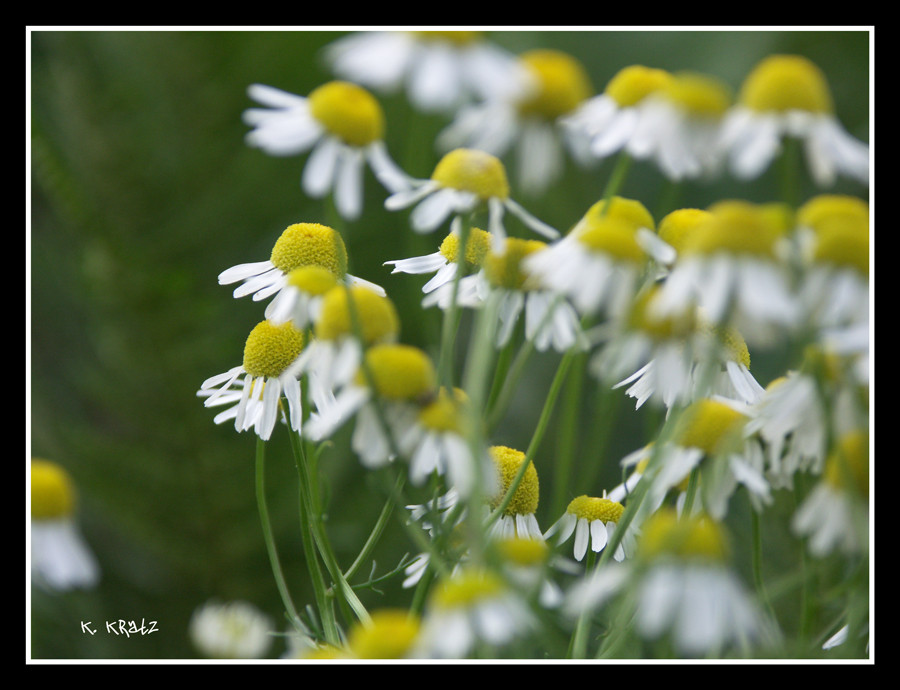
[399, 372]
[614, 236]
[712, 426]
[630, 211]
[666, 534]
[525, 499]
[270, 348]
[592, 508]
[670, 326]
[847, 466]
[522, 551]
[844, 242]
[390, 635]
[445, 412]
[561, 84]
[786, 82]
[313, 280]
[52, 493]
[737, 227]
[378, 319]
[505, 270]
[632, 84]
[310, 244]
[477, 245]
[466, 589]
[459, 38]
[698, 94]
[348, 111]
[677, 226]
[825, 207]
[471, 170]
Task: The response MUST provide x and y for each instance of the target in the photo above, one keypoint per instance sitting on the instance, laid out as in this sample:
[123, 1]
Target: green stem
[756, 532]
[616, 177]
[376, 533]
[565, 450]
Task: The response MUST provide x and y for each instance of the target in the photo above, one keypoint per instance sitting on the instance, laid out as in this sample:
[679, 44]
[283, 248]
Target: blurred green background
[143, 190]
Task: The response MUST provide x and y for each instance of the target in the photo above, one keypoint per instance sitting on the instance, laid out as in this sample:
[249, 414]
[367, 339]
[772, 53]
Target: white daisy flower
[401, 377]
[301, 245]
[597, 265]
[463, 181]
[732, 267]
[342, 126]
[254, 388]
[234, 630]
[674, 123]
[593, 521]
[473, 606]
[688, 590]
[528, 122]
[332, 358]
[835, 515]
[60, 558]
[518, 518]
[550, 320]
[444, 263]
[440, 70]
[788, 96]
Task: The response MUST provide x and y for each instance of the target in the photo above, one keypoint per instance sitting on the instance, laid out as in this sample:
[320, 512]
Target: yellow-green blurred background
[142, 190]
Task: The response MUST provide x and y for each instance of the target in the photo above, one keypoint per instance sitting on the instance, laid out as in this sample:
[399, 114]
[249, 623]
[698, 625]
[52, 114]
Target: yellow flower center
[843, 241]
[313, 280]
[670, 326]
[731, 340]
[632, 84]
[399, 372]
[270, 349]
[52, 494]
[310, 244]
[712, 426]
[561, 84]
[613, 236]
[459, 38]
[444, 413]
[667, 534]
[525, 499]
[378, 319]
[522, 551]
[737, 227]
[477, 246]
[847, 466]
[348, 111]
[630, 211]
[592, 508]
[390, 635]
[505, 270]
[470, 170]
[698, 94]
[466, 589]
[828, 206]
[677, 226]
[786, 82]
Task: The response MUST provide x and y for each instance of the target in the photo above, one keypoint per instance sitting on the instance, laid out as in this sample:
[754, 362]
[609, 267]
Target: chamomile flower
[440, 70]
[527, 122]
[401, 376]
[518, 518]
[341, 124]
[732, 267]
[254, 389]
[301, 245]
[472, 606]
[333, 356]
[688, 590]
[391, 634]
[788, 96]
[592, 520]
[445, 263]
[527, 564]
[233, 630]
[598, 263]
[463, 181]
[60, 558]
[835, 514]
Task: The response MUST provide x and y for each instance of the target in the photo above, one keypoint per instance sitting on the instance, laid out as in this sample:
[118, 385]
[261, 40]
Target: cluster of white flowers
[666, 308]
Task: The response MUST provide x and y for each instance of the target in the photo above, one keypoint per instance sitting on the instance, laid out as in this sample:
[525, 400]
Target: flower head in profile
[464, 181]
[233, 630]
[526, 122]
[60, 558]
[788, 96]
[341, 124]
[592, 520]
[518, 518]
[254, 389]
[439, 70]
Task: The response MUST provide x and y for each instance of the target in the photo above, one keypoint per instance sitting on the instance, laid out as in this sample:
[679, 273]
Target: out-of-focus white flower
[233, 630]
